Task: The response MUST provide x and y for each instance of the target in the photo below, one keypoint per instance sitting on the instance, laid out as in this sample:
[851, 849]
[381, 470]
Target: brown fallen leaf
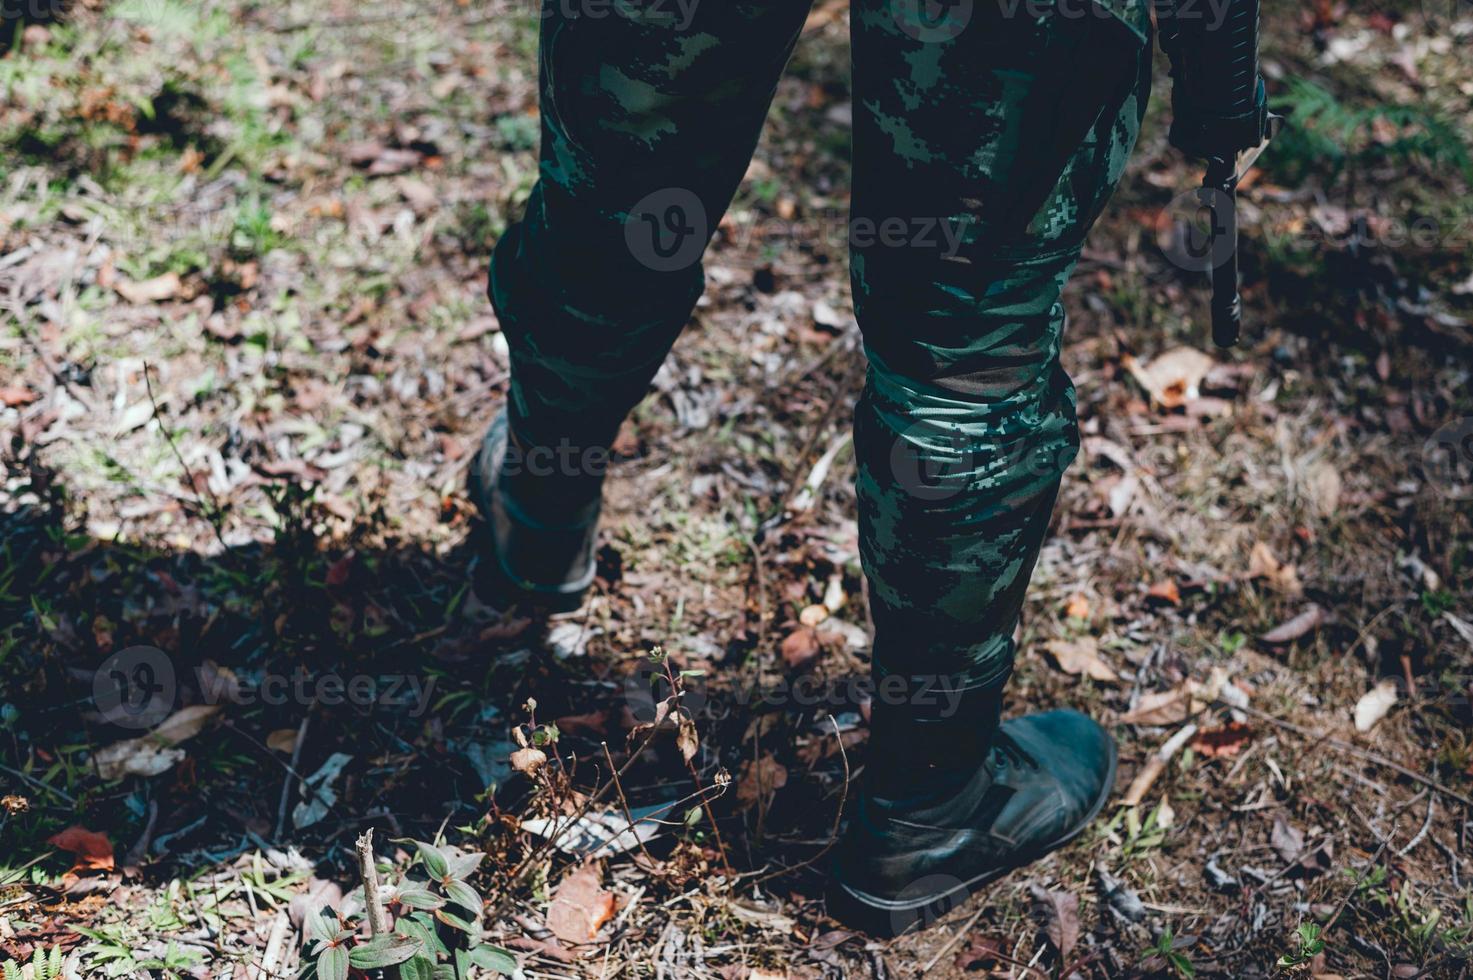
[1077, 606]
[1081, 658]
[759, 780]
[1307, 621]
[154, 290]
[580, 906]
[1166, 591]
[594, 724]
[1262, 564]
[687, 740]
[14, 396]
[1224, 741]
[282, 740]
[92, 850]
[799, 647]
[528, 759]
[1160, 707]
[980, 952]
[184, 724]
[1058, 913]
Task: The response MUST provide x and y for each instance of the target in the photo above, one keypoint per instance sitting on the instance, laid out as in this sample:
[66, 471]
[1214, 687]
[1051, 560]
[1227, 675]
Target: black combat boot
[951, 804]
[539, 551]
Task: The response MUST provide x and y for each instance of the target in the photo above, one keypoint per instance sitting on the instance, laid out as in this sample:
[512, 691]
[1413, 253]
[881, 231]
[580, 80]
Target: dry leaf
[1174, 378]
[1374, 704]
[813, 615]
[528, 759]
[580, 906]
[1309, 619]
[759, 780]
[980, 952]
[1165, 591]
[800, 647]
[1058, 913]
[282, 740]
[154, 753]
[1287, 841]
[1081, 657]
[14, 396]
[1262, 564]
[92, 850]
[184, 724]
[1077, 607]
[154, 290]
[1224, 741]
[1160, 708]
[686, 738]
[1322, 486]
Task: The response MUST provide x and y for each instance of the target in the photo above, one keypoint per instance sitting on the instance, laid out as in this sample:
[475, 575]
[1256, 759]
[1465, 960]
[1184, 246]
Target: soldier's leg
[650, 112]
[983, 154]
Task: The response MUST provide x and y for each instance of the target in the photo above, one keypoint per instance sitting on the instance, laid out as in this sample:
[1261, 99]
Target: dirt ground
[245, 356]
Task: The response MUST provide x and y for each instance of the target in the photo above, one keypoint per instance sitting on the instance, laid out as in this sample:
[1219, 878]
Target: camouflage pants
[1001, 127]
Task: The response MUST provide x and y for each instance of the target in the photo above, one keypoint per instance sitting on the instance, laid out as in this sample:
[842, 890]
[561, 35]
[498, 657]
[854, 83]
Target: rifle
[1219, 110]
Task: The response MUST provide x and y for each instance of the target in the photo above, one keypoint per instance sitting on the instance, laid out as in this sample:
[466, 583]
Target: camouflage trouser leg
[984, 149]
[650, 112]
[989, 150]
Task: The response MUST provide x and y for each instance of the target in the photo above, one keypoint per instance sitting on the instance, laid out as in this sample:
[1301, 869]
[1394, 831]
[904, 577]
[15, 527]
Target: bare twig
[1370, 865]
[378, 919]
[139, 850]
[624, 803]
[274, 943]
[286, 784]
[1352, 750]
[1153, 769]
[1421, 834]
[515, 877]
[214, 514]
[760, 568]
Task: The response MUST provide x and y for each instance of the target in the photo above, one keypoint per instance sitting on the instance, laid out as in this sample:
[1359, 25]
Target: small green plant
[436, 927]
[1167, 954]
[1137, 837]
[43, 966]
[1323, 129]
[1310, 944]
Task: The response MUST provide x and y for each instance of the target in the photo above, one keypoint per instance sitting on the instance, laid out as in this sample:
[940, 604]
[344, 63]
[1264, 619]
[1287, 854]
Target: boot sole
[890, 917]
[493, 575]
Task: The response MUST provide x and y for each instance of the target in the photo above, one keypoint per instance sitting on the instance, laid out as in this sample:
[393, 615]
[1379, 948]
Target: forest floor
[245, 356]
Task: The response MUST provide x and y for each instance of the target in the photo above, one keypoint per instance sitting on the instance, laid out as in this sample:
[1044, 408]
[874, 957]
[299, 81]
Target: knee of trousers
[965, 428]
[580, 358]
[955, 497]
